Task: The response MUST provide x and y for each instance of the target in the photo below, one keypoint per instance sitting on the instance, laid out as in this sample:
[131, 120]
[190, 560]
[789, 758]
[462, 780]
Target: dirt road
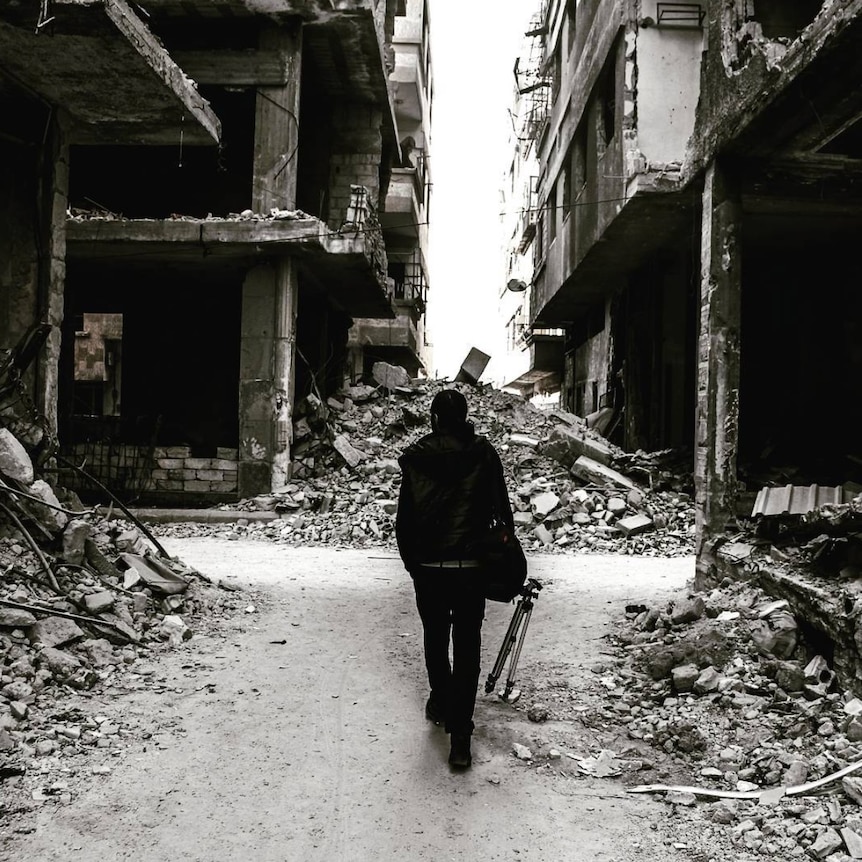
[296, 731]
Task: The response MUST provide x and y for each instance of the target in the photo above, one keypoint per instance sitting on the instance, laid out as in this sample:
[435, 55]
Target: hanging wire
[182, 133]
[45, 16]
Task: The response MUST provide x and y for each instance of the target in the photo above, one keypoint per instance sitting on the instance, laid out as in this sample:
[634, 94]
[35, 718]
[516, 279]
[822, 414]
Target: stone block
[210, 475]
[99, 602]
[198, 463]
[684, 677]
[635, 524]
[74, 538]
[60, 663]
[389, 376]
[197, 486]
[15, 463]
[15, 618]
[170, 463]
[55, 631]
[50, 518]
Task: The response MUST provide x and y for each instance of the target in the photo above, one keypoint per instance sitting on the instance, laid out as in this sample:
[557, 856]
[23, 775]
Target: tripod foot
[511, 695]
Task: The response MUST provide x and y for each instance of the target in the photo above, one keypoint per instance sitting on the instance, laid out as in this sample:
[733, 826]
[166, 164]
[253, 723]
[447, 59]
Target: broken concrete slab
[635, 524]
[15, 463]
[595, 473]
[567, 444]
[472, 367]
[155, 574]
[55, 632]
[48, 516]
[390, 377]
[348, 452]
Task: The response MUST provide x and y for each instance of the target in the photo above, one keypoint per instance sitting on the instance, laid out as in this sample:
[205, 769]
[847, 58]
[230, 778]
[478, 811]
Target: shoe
[433, 712]
[459, 754]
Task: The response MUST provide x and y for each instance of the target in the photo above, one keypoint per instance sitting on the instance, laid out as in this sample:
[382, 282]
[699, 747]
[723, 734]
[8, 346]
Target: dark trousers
[450, 607]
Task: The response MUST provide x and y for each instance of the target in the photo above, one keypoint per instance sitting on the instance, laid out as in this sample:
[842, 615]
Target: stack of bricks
[177, 470]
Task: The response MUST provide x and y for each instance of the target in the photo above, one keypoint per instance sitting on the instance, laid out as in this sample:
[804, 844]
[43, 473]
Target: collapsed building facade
[197, 192]
[698, 196]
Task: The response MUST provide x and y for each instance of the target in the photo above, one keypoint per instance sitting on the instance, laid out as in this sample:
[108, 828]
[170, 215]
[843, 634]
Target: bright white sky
[474, 44]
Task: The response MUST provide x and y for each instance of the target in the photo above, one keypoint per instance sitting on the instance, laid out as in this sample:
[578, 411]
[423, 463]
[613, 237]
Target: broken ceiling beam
[99, 62]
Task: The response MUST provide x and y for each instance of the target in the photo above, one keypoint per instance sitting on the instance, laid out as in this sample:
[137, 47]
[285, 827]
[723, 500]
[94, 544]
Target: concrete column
[717, 428]
[270, 292]
[276, 133]
[257, 352]
[52, 267]
[284, 378]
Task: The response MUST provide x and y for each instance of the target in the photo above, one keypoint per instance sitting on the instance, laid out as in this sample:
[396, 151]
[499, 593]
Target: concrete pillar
[257, 359]
[286, 306]
[270, 293]
[52, 269]
[717, 428]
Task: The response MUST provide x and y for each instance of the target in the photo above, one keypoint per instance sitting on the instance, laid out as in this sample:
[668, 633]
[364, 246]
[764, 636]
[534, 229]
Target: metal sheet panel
[797, 499]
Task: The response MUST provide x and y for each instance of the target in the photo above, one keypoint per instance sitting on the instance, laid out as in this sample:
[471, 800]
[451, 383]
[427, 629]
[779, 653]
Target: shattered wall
[357, 148]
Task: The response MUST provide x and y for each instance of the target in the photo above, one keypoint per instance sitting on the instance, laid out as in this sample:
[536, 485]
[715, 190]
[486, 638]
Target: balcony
[409, 87]
[405, 199]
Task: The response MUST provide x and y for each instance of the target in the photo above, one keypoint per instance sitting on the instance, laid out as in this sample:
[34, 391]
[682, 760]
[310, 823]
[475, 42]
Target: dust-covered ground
[294, 729]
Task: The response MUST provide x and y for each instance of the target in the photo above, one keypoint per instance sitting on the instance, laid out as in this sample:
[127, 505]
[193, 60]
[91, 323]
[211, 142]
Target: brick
[159, 474]
[229, 454]
[225, 464]
[178, 452]
[211, 475]
[196, 486]
[170, 463]
[198, 463]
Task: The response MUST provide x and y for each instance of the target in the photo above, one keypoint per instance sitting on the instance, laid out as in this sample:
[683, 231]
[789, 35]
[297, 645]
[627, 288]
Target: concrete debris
[768, 736]
[15, 463]
[345, 476]
[72, 621]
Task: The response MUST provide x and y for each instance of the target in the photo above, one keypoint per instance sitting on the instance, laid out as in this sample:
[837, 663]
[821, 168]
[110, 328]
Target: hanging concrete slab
[98, 61]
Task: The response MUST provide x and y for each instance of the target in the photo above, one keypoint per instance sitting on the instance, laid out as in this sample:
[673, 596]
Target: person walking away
[452, 484]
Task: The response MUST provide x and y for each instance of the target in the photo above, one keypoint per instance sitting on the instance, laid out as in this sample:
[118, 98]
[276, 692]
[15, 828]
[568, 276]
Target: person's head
[449, 412]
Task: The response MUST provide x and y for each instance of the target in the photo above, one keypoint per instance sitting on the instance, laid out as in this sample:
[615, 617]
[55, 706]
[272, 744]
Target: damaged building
[693, 234]
[209, 183]
[401, 340]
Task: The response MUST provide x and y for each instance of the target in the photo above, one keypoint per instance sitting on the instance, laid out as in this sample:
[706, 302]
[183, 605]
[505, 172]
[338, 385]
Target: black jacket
[450, 489]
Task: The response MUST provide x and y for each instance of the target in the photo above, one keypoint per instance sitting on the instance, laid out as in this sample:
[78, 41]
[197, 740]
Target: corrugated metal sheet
[798, 499]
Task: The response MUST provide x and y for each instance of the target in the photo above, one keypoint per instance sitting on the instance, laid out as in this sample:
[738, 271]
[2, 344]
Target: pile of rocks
[84, 602]
[723, 698]
[565, 488]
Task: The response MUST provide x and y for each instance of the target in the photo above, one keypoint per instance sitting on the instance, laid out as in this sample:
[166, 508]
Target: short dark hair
[448, 410]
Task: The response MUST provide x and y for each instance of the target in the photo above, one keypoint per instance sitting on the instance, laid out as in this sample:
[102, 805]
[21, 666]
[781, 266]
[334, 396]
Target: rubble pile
[726, 700]
[80, 214]
[567, 492]
[84, 602]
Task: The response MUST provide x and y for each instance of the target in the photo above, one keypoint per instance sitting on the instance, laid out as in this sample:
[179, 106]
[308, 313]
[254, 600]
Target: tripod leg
[513, 664]
[508, 640]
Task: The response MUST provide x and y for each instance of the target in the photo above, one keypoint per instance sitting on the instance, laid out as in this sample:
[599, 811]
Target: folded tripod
[515, 635]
